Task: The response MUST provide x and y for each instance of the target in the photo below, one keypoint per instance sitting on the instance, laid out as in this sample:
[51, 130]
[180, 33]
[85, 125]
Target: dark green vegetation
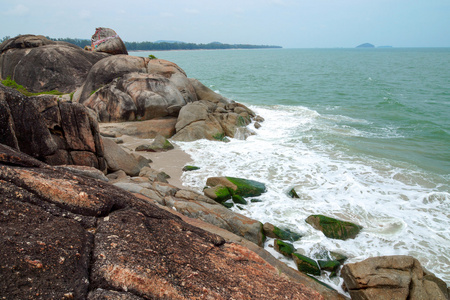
[148, 46]
[12, 84]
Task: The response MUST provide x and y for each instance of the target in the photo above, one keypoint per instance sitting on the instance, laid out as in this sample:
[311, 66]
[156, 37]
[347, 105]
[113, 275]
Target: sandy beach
[171, 162]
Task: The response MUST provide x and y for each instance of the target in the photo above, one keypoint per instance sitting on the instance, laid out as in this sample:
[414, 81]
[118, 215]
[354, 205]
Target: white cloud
[18, 10]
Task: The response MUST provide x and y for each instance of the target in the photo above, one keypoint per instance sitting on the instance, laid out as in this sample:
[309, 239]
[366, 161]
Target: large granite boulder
[118, 159]
[392, 277]
[54, 131]
[213, 120]
[65, 236]
[108, 41]
[40, 64]
[122, 88]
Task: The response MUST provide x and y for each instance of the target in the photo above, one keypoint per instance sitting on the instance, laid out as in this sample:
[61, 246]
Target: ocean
[362, 135]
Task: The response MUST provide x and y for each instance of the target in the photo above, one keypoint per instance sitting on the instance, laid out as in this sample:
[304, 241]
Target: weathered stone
[85, 171]
[137, 87]
[31, 132]
[238, 199]
[118, 159]
[389, 277]
[293, 194]
[108, 41]
[190, 168]
[42, 256]
[136, 96]
[160, 143]
[205, 93]
[101, 294]
[306, 264]
[171, 260]
[41, 65]
[147, 129]
[329, 265]
[282, 234]
[333, 228]
[283, 247]
[238, 186]
[153, 175]
[223, 218]
[219, 193]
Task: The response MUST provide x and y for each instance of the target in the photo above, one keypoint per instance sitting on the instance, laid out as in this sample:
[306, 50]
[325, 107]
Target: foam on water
[403, 209]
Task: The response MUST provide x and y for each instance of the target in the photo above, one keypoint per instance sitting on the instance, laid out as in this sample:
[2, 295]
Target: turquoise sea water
[361, 134]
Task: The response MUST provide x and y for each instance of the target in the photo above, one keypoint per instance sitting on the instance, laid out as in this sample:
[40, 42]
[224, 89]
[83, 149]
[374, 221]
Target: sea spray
[401, 209]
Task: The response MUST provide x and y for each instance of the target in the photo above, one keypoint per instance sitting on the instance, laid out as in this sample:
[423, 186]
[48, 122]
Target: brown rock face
[41, 65]
[139, 251]
[108, 41]
[54, 131]
[135, 88]
[170, 261]
[389, 277]
[42, 256]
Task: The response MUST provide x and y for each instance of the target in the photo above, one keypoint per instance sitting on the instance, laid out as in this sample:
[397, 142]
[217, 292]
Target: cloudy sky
[288, 23]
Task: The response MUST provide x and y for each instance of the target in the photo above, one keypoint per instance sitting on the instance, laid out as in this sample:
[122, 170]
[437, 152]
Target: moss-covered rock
[218, 193]
[282, 234]
[190, 168]
[255, 200]
[306, 264]
[338, 256]
[246, 187]
[293, 194]
[238, 199]
[238, 186]
[329, 265]
[228, 204]
[333, 228]
[284, 248]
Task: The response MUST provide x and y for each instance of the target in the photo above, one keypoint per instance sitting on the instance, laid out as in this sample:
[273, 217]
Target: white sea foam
[402, 212]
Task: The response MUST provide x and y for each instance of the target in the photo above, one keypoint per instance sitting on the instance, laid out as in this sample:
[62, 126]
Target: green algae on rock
[282, 234]
[306, 264]
[284, 248]
[333, 228]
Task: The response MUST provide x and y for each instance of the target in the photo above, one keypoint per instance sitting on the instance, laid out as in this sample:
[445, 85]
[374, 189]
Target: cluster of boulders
[82, 218]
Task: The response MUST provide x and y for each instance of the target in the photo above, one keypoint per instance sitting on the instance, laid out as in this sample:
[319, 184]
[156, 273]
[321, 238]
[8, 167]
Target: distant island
[365, 45]
[368, 45]
[168, 45]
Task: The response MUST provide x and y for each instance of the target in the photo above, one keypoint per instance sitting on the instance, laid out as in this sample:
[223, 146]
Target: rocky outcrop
[213, 121]
[118, 159]
[40, 64]
[124, 88]
[108, 41]
[392, 277]
[52, 220]
[333, 228]
[54, 131]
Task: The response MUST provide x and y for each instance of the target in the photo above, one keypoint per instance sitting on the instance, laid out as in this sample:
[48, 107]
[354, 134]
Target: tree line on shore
[149, 46]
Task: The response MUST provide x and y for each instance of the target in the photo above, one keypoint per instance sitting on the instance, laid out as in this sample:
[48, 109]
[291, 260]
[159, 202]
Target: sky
[287, 23]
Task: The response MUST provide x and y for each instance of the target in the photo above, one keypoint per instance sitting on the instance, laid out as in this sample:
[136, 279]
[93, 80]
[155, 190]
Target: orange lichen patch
[63, 191]
[143, 283]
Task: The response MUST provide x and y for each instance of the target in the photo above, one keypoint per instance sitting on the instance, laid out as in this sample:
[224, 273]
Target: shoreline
[170, 162]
